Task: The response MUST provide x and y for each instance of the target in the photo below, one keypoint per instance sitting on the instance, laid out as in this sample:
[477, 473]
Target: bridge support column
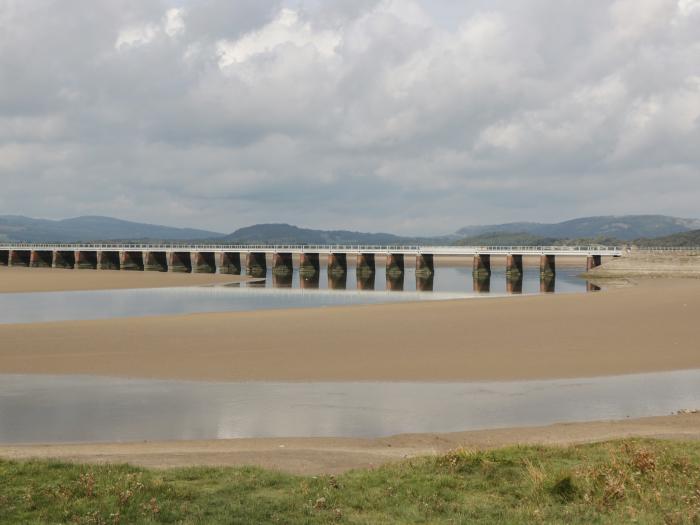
[230, 263]
[309, 264]
[365, 281]
[592, 261]
[180, 262]
[365, 264]
[41, 259]
[514, 283]
[108, 260]
[338, 280]
[424, 282]
[63, 259]
[282, 280]
[282, 264]
[203, 262]
[155, 261]
[547, 265]
[256, 264]
[85, 260]
[514, 266]
[131, 261]
[482, 284]
[547, 282]
[19, 258]
[424, 264]
[4, 257]
[337, 264]
[482, 266]
[394, 264]
[394, 282]
[309, 281]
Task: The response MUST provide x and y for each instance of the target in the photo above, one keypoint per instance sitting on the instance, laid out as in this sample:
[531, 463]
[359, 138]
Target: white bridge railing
[321, 248]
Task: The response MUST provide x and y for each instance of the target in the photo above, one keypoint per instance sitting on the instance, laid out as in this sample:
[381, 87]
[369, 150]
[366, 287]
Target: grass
[640, 481]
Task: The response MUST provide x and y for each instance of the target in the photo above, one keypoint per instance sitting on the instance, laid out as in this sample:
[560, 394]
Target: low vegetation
[617, 482]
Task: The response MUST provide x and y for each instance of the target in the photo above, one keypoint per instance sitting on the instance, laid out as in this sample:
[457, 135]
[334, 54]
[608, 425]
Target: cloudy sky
[410, 116]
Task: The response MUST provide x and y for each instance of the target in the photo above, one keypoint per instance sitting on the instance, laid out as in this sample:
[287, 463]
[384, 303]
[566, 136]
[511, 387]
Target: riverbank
[650, 264]
[18, 279]
[313, 456]
[645, 328]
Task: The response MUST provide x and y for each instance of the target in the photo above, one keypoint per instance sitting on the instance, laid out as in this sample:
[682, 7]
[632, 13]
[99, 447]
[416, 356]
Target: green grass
[617, 482]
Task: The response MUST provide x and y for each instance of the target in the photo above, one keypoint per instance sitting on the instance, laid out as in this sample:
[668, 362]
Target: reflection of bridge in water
[229, 259]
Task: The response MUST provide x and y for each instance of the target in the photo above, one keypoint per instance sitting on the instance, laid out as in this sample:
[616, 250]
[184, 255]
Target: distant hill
[288, 234]
[626, 227]
[91, 228]
[685, 239]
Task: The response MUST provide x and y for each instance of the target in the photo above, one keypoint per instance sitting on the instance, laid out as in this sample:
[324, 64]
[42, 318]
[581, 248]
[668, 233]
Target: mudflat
[336, 455]
[18, 279]
[648, 327]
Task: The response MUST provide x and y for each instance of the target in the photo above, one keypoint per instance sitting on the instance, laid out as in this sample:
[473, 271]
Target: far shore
[313, 456]
[19, 279]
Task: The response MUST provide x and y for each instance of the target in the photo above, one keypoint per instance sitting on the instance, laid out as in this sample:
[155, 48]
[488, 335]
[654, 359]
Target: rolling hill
[91, 228]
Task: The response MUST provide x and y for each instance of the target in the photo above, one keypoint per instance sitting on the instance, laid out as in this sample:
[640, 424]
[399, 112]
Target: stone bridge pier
[394, 282]
[424, 264]
[481, 268]
[230, 263]
[482, 284]
[108, 260]
[547, 283]
[131, 261]
[365, 281]
[548, 265]
[155, 261]
[4, 257]
[203, 262]
[309, 281]
[41, 259]
[514, 283]
[180, 262]
[514, 266]
[19, 258]
[424, 283]
[63, 259]
[282, 264]
[593, 261]
[256, 264]
[309, 264]
[337, 264]
[337, 281]
[86, 260]
[394, 265]
[365, 265]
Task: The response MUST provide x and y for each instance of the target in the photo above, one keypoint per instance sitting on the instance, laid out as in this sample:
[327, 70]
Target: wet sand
[645, 328]
[336, 455]
[18, 279]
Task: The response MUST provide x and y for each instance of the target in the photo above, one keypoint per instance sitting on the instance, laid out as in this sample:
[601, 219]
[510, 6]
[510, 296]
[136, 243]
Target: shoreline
[336, 455]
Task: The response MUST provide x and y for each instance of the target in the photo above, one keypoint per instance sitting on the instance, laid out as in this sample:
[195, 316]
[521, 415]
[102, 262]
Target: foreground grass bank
[623, 481]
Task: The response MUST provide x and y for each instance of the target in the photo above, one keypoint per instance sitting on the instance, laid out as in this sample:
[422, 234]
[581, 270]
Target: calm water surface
[37, 408]
[276, 292]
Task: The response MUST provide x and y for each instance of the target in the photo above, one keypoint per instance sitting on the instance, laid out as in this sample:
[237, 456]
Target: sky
[407, 116]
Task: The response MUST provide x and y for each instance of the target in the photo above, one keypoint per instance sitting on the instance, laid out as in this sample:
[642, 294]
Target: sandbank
[336, 455]
[644, 328]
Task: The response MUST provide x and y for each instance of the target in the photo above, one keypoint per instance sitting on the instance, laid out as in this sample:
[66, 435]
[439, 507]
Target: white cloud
[350, 114]
[286, 29]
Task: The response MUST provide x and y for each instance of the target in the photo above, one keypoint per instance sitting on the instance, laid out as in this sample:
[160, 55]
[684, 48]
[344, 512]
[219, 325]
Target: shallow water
[36, 408]
[273, 292]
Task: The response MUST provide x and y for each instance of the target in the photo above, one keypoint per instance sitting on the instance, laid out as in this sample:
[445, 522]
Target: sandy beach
[18, 279]
[336, 455]
[648, 327]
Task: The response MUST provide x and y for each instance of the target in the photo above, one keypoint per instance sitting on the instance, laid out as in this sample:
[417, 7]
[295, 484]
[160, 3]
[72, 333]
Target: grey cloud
[382, 114]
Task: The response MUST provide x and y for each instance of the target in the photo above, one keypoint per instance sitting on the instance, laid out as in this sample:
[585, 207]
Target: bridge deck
[323, 249]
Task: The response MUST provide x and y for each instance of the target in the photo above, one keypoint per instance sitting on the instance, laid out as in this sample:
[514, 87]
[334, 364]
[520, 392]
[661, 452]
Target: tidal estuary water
[35, 408]
[275, 292]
